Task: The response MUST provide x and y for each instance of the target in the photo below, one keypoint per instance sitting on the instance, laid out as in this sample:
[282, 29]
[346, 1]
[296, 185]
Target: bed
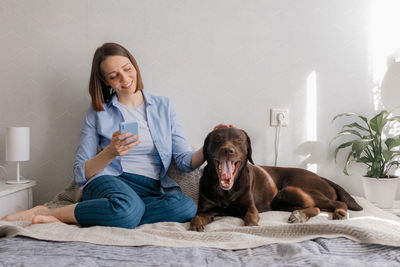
[368, 238]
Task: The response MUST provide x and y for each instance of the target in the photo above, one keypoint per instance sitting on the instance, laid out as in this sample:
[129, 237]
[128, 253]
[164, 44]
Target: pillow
[70, 195]
[189, 182]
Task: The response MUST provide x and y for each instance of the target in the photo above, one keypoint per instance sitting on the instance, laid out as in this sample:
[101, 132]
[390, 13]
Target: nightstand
[395, 209]
[15, 198]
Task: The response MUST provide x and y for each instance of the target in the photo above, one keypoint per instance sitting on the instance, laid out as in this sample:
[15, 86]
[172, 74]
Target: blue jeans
[130, 200]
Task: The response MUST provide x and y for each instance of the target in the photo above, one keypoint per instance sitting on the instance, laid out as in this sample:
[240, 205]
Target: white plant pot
[381, 192]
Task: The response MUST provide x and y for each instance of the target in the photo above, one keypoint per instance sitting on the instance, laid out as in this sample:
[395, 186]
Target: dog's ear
[249, 150]
[206, 141]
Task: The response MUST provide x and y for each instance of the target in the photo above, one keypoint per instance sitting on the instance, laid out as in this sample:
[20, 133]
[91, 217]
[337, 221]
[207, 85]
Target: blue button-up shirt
[165, 130]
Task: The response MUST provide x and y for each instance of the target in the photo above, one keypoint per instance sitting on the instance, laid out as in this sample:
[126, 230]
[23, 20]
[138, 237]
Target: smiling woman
[126, 183]
[120, 74]
[113, 68]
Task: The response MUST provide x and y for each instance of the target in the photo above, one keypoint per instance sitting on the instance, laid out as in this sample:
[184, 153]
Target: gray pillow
[189, 182]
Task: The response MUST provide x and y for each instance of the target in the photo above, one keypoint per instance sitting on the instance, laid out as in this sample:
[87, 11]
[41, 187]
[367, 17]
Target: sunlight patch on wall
[385, 51]
[311, 113]
[384, 41]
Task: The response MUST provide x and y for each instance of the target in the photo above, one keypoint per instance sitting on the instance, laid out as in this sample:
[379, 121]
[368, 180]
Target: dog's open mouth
[226, 171]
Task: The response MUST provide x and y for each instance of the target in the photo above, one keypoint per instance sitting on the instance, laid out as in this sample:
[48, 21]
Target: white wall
[219, 61]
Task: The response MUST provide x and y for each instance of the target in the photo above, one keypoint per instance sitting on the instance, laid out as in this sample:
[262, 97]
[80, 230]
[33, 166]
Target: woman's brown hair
[98, 90]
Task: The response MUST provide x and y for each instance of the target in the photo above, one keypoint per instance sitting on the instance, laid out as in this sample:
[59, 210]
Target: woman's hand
[221, 125]
[120, 147]
[117, 147]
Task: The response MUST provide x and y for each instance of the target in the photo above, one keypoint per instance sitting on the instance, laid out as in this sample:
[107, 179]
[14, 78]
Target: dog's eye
[219, 139]
[238, 139]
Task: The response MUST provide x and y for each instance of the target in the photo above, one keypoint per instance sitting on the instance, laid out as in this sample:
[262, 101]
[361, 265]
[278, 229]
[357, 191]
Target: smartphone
[131, 126]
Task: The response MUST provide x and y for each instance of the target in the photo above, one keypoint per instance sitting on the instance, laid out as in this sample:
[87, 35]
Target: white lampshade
[17, 144]
[17, 148]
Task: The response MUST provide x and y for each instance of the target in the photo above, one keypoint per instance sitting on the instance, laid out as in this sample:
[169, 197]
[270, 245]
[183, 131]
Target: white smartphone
[131, 126]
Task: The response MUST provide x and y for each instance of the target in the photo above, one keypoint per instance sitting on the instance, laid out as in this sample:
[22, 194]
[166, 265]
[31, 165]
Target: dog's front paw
[197, 224]
[251, 219]
[339, 214]
[196, 227]
[298, 216]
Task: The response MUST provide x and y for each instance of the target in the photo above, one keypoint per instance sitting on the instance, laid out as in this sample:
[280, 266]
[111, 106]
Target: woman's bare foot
[27, 215]
[44, 219]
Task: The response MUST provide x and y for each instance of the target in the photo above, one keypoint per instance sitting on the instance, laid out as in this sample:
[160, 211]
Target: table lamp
[17, 148]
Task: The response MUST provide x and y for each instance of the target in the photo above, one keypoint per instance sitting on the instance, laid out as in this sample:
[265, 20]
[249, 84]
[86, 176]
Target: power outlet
[279, 117]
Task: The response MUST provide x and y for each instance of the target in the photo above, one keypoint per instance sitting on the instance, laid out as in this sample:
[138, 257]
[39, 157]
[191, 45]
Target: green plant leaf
[392, 142]
[397, 163]
[364, 160]
[348, 160]
[378, 122]
[387, 155]
[359, 146]
[350, 114]
[342, 146]
[347, 132]
[355, 125]
[396, 153]
[391, 164]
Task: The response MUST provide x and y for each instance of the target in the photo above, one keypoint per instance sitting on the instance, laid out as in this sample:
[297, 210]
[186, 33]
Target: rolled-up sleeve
[88, 143]
[181, 149]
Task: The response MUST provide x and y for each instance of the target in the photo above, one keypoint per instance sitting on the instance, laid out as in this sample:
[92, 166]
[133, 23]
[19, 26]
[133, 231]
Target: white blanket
[372, 225]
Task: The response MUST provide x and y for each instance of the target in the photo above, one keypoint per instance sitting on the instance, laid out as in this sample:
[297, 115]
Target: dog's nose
[228, 150]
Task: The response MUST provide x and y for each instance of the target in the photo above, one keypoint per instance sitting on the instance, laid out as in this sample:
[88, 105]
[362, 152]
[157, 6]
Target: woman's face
[120, 74]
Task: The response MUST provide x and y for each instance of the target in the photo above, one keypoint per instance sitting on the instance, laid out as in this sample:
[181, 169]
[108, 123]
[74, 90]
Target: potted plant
[376, 146]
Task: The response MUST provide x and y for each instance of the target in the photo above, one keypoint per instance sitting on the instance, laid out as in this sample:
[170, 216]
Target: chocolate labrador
[233, 185]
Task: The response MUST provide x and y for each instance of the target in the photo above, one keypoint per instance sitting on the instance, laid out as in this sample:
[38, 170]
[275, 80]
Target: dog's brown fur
[255, 189]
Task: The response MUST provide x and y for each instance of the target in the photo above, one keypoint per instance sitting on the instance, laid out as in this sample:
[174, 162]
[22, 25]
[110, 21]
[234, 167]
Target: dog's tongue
[226, 170]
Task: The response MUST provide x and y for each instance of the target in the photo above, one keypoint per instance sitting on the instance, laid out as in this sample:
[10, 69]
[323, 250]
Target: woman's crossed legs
[124, 201]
